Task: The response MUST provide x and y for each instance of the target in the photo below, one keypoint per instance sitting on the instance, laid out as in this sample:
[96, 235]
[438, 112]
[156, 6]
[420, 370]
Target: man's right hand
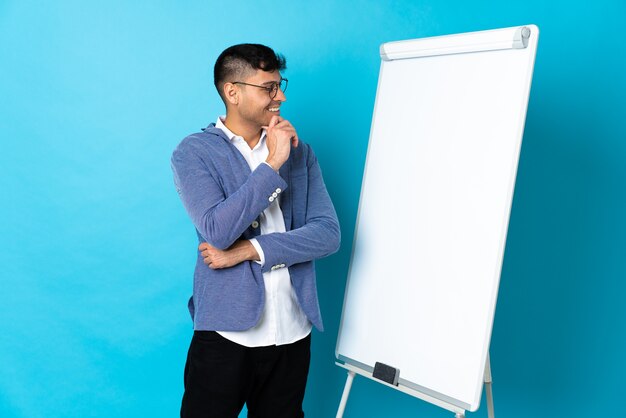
[280, 136]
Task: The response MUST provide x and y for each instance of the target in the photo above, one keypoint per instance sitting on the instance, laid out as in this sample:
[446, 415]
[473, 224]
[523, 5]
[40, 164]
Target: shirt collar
[231, 136]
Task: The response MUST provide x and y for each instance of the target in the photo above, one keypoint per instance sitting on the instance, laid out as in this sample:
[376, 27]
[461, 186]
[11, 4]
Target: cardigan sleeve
[318, 237]
[220, 219]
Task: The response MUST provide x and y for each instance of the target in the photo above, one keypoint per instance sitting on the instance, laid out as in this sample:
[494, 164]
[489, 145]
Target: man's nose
[280, 96]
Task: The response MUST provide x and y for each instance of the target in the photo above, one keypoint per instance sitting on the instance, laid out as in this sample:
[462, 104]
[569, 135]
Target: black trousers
[220, 376]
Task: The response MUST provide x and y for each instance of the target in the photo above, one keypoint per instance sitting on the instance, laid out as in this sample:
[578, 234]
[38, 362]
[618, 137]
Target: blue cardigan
[223, 198]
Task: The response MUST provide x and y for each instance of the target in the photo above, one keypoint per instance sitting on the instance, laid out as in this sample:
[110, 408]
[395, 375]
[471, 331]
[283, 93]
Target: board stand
[488, 388]
[459, 412]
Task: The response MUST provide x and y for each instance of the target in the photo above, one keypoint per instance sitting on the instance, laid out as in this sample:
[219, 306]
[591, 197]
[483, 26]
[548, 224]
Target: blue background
[97, 253]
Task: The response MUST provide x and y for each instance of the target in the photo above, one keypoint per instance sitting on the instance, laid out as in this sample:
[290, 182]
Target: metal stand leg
[459, 415]
[346, 393]
[489, 389]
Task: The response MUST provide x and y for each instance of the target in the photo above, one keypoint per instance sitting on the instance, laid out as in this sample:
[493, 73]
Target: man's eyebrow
[269, 83]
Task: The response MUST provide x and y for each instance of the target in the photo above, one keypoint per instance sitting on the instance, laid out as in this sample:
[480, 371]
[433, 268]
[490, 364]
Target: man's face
[255, 105]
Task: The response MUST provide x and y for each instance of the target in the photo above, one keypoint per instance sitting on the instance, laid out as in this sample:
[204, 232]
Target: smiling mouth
[274, 109]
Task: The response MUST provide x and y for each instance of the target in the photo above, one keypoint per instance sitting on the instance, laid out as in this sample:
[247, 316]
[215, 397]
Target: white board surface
[434, 208]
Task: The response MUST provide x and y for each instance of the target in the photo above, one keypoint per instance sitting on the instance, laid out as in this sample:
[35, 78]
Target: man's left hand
[240, 251]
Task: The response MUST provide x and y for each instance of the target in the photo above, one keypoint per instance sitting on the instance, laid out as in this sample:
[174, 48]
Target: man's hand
[240, 251]
[280, 136]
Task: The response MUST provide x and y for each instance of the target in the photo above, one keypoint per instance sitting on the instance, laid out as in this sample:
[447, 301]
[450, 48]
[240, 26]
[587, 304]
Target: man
[256, 196]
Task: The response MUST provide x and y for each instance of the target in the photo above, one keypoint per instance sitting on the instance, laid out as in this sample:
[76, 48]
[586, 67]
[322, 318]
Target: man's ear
[231, 93]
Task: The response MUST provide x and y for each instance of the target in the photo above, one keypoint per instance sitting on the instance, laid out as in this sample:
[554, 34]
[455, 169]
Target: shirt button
[271, 199]
[255, 224]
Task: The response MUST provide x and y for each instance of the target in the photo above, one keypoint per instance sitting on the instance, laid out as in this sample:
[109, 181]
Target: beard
[259, 116]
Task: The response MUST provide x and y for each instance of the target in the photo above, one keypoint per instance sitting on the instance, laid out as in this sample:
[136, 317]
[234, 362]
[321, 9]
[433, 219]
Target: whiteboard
[434, 209]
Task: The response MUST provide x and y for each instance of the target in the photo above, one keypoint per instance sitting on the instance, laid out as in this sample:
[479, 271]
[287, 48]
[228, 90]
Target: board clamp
[386, 373]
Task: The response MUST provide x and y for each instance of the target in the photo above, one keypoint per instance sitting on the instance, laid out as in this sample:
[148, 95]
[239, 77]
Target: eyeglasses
[272, 89]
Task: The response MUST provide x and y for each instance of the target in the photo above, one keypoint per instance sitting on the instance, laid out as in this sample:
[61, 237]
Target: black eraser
[386, 373]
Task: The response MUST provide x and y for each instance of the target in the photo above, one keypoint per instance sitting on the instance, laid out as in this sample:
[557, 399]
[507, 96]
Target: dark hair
[238, 61]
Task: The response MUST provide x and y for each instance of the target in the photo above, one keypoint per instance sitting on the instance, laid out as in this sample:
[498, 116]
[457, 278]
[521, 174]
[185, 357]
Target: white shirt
[282, 320]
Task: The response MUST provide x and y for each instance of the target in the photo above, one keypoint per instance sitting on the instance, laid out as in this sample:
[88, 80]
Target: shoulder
[302, 153]
[199, 144]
